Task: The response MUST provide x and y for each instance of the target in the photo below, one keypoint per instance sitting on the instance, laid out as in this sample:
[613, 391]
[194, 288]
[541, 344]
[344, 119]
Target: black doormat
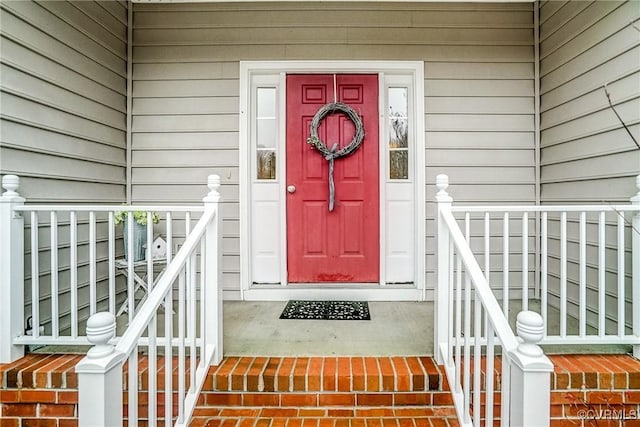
[326, 310]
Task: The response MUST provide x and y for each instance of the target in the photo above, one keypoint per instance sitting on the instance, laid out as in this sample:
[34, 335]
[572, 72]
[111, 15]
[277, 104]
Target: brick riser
[42, 390]
[325, 391]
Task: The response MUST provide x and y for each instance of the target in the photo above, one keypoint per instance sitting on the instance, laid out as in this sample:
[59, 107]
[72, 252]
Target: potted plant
[139, 237]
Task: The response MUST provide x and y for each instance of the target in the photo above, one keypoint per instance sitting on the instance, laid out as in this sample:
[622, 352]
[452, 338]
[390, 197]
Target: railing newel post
[529, 383]
[441, 328]
[11, 270]
[635, 256]
[213, 334]
[100, 376]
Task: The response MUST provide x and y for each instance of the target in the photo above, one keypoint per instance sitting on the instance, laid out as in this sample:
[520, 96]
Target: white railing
[470, 323]
[78, 265]
[578, 266]
[78, 269]
[189, 340]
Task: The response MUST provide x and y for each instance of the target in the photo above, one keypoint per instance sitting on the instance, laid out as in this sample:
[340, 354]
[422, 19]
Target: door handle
[291, 188]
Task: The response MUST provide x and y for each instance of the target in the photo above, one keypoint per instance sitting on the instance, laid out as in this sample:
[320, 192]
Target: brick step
[42, 389]
[336, 420]
[326, 374]
[325, 391]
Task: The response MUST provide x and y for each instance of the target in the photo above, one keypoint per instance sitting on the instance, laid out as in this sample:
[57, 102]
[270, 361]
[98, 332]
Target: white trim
[382, 180]
[365, 292]
[247, 69]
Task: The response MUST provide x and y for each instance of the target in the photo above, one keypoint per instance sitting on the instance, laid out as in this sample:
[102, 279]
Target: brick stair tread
[325, 422]
[325, 374]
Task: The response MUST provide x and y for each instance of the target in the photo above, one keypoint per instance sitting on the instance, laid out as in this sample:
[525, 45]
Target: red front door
[341, 245]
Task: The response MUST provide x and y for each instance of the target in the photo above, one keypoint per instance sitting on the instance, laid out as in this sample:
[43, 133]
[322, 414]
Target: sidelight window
[398, 129]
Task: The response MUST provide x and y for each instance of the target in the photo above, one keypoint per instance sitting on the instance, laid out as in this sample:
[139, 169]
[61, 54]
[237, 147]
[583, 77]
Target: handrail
[488, 299]
[128, 341]
[195, 344]
[464, 303]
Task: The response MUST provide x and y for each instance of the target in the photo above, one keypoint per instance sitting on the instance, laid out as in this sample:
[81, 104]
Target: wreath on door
[330, 154]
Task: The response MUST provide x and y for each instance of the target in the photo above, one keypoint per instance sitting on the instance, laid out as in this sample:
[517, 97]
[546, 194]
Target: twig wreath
[330, 154]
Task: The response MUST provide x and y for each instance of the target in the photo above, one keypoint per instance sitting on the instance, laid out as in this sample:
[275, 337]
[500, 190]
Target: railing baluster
[450, 329]
[505, 391]
[73, 271]
[203, 275]
[192, 320]
[505, 265]
[487, 246]
[601, 275]
[467, 331]
[35, 276]
[488, 379]
[168, 350]
[543, 268]
[112, 266]
[93, 298]
[169, 238]
[149, 231]
[130, 283]
[621, 276]
[458, 302]
[191, 307]
[477, 359]
[153, 372]
[563, 274]
[583, 274]
[55, 315]
[132, 373]
[181, 344]
[525, 261]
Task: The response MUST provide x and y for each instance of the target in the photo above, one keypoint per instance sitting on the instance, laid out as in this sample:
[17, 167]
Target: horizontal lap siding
[63, 99]
[479, 105]
[63, 124]
[586, 154]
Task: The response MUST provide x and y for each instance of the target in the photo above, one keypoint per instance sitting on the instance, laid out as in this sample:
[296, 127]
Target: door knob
[291, 188]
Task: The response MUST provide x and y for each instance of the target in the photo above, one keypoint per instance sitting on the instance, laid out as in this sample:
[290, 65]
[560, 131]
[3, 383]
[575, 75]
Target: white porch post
[100, 376]
[212, 293]
[530, 392]
[635, 279]
[11, 270]
[441, 309]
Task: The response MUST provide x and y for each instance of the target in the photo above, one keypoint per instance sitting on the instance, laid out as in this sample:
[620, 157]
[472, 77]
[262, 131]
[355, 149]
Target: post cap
[11, 184]
[101, 327]
[213, 182]
[530, 328]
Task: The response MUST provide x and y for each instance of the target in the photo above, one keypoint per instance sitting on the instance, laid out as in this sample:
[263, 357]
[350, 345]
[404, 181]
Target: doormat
[326, 310]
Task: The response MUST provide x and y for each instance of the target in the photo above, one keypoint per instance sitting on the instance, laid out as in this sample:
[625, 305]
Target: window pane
[266, 164]
[399, 164]
[398, 119]
[266, 133]
[266, 102]
[398, 133]
[398, 102]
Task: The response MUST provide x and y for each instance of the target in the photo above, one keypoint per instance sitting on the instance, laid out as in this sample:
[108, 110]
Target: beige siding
[63, 126]
[479, 109]
[584, 147]
[586, 155]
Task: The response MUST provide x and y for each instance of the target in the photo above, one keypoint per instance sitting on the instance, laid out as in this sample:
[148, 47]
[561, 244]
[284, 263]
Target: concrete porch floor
[395, 328]
[253, 328]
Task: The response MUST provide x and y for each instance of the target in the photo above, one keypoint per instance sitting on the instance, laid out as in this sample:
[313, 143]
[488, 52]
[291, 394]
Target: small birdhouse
[158, 248]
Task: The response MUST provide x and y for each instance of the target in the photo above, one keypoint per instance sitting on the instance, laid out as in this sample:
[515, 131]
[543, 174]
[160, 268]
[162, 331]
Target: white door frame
[281, 291]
